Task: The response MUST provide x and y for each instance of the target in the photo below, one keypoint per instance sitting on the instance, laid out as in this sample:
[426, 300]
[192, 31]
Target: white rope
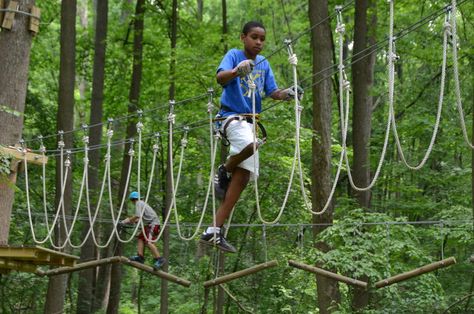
[56, 216]
[440, 107]
[391, 71]
[457, 85]
[213, 145]
[344, 90]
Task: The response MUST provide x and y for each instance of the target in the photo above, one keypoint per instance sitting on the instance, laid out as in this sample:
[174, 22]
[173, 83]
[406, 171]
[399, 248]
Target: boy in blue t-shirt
[237, 69]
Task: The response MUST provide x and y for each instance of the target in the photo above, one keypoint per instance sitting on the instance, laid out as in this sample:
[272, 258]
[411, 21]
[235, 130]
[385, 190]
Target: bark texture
[15, 46]
[321, 44]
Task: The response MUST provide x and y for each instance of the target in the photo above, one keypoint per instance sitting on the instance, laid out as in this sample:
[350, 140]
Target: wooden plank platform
[28, 258]
[30, 157]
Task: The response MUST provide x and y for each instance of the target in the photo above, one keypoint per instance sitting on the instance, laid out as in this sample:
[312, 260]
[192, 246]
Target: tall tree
[321, 44]
[87, 278]
[173, 24]
[65, 122]
[134, 95]
[15, 47]
[362, 78]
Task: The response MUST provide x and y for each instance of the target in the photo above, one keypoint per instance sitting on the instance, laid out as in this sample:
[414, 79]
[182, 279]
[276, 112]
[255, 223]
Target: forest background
[408, 219]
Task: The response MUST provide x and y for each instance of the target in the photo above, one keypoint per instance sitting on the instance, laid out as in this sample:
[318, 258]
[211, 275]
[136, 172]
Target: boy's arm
[130, 220]
[242, 69]
[279, 94]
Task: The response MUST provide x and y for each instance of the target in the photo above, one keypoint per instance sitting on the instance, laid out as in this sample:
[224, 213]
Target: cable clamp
[299, 108]
[156, 147]
[61, 144]
[252, 85]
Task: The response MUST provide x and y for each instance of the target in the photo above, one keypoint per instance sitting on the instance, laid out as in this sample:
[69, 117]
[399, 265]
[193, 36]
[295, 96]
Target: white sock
[213, 229]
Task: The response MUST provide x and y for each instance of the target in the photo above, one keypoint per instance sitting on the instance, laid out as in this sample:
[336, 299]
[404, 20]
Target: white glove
[290, 93]
[244, 67]
[293, 60]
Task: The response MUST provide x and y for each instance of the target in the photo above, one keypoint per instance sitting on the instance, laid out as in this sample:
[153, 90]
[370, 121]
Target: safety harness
[222, 129]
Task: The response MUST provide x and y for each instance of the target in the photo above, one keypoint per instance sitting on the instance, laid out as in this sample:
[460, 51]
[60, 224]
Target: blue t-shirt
[236, 98]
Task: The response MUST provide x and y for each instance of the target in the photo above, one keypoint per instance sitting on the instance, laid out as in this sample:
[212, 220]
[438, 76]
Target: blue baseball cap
[134, 195]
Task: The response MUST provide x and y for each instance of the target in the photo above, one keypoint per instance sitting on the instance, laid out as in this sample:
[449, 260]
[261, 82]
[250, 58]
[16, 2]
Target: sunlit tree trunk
[65, 122]
[15, 46]
[116, 272]
[321, 44]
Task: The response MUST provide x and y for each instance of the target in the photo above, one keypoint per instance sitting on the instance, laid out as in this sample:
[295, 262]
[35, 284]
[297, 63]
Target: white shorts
[239, 133]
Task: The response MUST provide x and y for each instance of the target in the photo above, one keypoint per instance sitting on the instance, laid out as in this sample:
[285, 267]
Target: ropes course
[69, 222]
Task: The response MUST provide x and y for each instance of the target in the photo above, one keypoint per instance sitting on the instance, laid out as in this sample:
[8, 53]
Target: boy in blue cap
[152, 229]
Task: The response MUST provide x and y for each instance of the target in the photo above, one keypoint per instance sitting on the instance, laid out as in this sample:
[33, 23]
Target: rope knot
[252, 85]
[171, 118]
[293, 59]
[184, 142]
[210, 107]
[346, 84]
[341, 28]
[448, 28]
[299, 108]
[155, 148]
[110, 133]
[42, 149]
[139, 126]
[61, 144]
[85, 139]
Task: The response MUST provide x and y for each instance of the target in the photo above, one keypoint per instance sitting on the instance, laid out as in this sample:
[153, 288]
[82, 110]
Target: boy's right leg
[240, 179]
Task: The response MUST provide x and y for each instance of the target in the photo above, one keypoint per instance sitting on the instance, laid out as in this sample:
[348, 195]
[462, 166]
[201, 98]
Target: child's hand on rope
[290, 93]
[244, 67]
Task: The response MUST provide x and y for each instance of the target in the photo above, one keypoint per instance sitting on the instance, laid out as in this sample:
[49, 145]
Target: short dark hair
[249, 25]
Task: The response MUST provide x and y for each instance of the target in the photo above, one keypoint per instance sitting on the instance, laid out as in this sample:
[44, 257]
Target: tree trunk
[15, 46]
[362, 78]
[321, 43]
[199, 9]
[87, 278]
[65, 122]
[116, 272]
[168, 188]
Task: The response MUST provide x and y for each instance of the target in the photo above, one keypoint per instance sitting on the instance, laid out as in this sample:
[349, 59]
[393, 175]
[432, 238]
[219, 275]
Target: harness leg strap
[234, 160]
